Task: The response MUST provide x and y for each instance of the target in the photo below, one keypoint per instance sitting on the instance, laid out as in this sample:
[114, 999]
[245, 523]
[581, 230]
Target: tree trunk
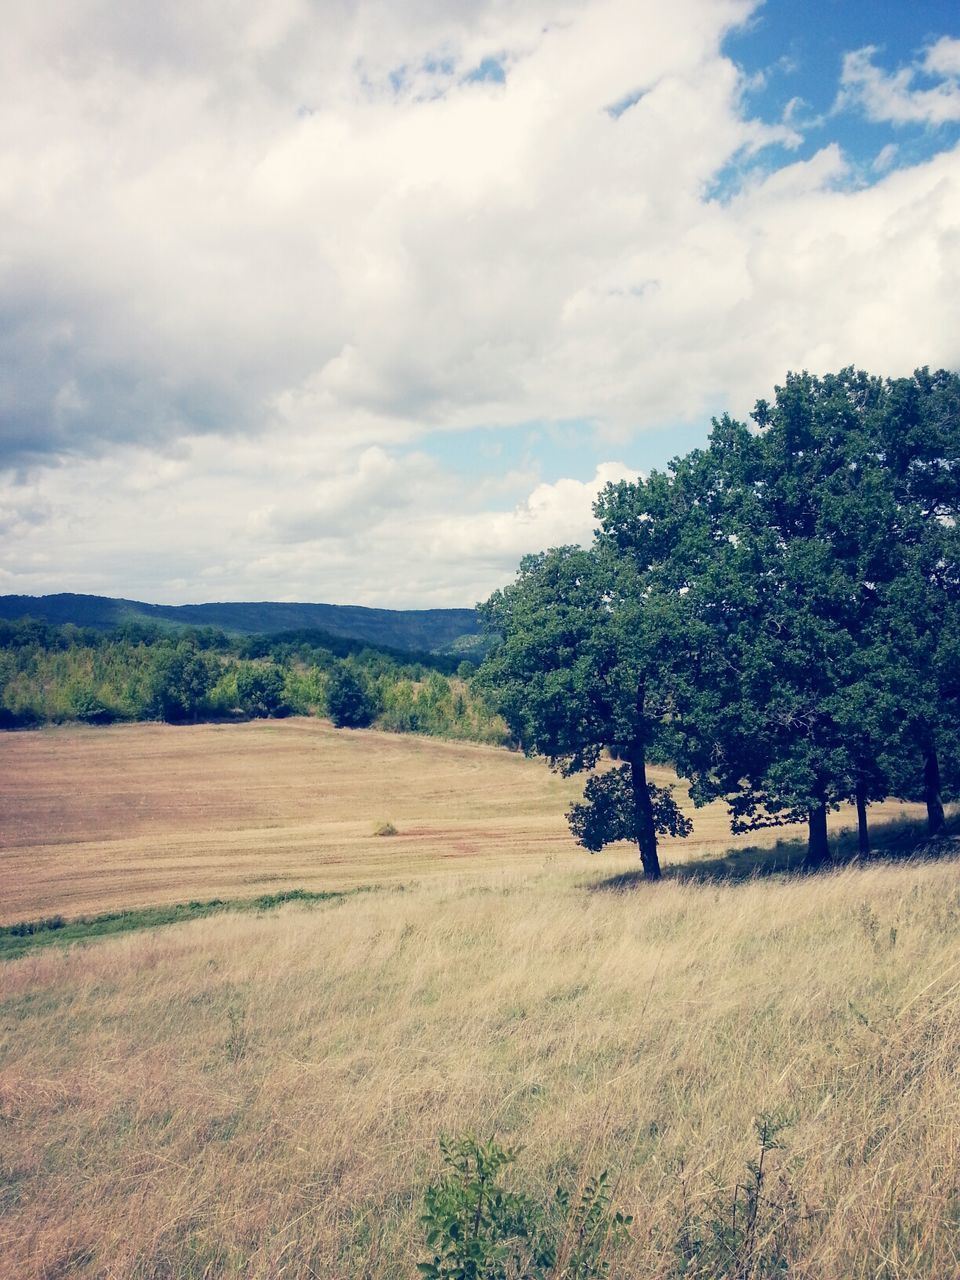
[818, 850]
[643, 814]
[642, 806]
[863, 834]
[931, 789]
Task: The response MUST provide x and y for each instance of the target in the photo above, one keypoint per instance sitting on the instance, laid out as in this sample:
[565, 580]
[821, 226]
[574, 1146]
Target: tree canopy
[775, 614]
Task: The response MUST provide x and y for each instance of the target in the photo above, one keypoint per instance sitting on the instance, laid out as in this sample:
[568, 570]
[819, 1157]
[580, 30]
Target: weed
[741, 1235]
[385, 829]
[477, 1229]
[238, 1038]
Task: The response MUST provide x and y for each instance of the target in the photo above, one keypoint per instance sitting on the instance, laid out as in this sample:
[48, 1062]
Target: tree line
[56, 674]
[775, 615]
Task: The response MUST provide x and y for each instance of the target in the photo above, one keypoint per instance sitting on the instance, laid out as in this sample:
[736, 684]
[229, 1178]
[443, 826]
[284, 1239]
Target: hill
[412, 630]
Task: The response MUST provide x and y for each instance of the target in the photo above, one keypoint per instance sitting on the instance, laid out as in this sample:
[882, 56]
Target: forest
[52, 674]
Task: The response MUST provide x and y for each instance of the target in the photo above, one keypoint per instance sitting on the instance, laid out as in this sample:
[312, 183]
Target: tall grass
[261, 1096]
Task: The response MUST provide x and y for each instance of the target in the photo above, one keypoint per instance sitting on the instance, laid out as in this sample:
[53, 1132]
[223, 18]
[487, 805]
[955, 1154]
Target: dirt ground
[99, 819]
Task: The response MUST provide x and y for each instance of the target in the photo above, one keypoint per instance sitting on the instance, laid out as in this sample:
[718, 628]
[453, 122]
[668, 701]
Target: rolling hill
[416, 630]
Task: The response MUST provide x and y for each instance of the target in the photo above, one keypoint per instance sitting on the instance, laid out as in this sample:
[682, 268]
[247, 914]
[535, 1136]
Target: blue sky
[799, 46]
[362, 301]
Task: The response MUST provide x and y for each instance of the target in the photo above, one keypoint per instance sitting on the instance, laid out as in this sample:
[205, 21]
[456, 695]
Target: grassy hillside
[257, 1096]
[258, 1090]
[412, 630]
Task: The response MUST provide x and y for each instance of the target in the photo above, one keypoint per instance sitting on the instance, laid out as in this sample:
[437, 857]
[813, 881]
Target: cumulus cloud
[552, 515]
[389, 529]
[252, 256]
[896, 97]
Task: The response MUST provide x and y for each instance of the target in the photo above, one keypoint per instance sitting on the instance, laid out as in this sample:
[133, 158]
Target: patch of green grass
[15, 939]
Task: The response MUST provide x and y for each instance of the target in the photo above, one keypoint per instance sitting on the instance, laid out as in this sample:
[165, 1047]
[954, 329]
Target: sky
[359, 301]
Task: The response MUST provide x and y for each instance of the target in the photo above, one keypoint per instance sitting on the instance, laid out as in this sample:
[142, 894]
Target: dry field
[141, 815]
[260, 1096]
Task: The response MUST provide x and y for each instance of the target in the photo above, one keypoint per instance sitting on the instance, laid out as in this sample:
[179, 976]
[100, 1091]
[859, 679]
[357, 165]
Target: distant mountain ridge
[415, 630]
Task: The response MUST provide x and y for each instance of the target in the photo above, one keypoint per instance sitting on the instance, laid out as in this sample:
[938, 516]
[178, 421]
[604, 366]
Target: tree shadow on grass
[899, 840]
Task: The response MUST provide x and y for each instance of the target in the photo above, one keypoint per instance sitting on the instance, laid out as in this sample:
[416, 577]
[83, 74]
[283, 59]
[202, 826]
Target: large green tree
[579, 670]
[818, 558]
[778, 614]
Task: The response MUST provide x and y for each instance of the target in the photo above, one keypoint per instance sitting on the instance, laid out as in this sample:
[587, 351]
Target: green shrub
[260, 691]
[348, 702]
[477, 1229]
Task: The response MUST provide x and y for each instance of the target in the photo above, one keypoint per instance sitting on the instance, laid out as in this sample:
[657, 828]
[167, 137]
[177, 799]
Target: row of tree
[56, 674]
[775, 615]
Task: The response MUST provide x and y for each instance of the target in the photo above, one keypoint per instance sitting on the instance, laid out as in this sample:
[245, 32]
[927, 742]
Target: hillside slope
[422, 630]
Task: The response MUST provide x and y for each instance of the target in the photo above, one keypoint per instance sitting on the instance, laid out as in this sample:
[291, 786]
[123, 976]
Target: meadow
[261, 1093]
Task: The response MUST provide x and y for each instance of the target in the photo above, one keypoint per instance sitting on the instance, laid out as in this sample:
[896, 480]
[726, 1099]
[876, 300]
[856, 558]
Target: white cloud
[895, 97]
[252, 256]
[552, 515]
[943, 58]
[384, 528]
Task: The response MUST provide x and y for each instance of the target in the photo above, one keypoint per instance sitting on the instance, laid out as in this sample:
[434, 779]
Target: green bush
[348, 702]
[478, 1229]
[260, 691]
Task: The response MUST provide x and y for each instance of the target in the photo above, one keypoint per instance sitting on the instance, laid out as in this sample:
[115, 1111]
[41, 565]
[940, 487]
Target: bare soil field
[99, 819]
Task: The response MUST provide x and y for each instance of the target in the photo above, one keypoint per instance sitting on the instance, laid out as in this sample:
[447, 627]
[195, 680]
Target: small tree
[581, 667]
[348, 702]
[260, 691]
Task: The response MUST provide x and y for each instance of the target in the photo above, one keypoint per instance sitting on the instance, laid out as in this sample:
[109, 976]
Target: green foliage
[438, 706]
[478, 1229]
[348, 702]
[56, 674]
[260, 691]
[180, 681]
[741, 1233]
[609, 812]
[90, 706]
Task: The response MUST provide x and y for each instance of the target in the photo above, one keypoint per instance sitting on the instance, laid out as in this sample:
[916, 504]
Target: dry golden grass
[261, 1096]
[142, 815]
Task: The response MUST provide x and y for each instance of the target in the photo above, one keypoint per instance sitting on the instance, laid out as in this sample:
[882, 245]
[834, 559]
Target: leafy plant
[740, 1235]
[348, 701]
[477, 1229]
[238, 1039]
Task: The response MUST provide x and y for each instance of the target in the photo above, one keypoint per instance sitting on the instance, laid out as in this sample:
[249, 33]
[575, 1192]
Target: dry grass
[261, 1097]
[142, 815]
